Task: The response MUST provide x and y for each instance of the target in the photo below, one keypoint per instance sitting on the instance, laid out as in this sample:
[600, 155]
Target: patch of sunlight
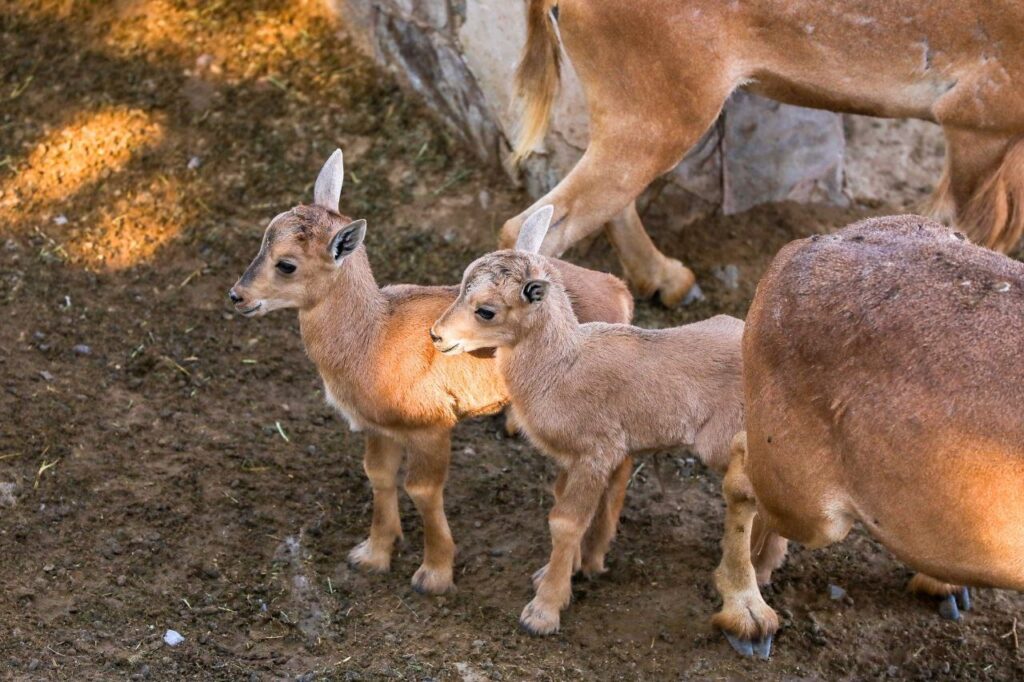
[130, 229]
[90, 148]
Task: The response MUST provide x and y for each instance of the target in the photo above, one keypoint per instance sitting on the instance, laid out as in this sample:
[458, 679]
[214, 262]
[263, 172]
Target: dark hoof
[748, 648]
[950, 607]
[693, 295]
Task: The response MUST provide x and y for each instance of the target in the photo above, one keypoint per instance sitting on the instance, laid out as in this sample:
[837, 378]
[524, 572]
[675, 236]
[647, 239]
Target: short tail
[537, 77]
[994, 215]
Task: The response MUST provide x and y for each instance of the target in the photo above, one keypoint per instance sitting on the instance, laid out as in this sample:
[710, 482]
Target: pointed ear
[327, 191]
[345, 240]
[535, 290]
[531, 234]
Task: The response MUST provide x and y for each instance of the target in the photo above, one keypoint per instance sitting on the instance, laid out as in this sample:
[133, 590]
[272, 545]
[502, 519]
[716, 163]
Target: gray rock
[836, 593]
[81, 349]
[8, 494]
[729, 275]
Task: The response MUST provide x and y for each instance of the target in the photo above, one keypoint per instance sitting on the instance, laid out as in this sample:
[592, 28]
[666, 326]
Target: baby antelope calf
[884, 386]
[591, 395]
[379, 368]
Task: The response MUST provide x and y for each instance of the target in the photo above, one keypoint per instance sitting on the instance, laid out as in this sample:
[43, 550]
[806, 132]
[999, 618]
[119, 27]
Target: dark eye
[484, 314]
[285, 267]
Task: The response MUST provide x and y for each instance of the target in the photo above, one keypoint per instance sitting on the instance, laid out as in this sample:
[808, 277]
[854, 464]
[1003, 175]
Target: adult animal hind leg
[953, 599]
[650, 272]
[747, 622]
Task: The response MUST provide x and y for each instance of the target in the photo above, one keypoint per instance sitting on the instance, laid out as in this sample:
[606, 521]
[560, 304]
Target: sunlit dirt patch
[131, 229]
[89, 149]
[89, 156]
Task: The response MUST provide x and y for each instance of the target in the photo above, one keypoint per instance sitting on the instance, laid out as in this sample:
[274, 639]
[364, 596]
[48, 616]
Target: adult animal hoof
[761, 648]
[676, 284]
[951, 606]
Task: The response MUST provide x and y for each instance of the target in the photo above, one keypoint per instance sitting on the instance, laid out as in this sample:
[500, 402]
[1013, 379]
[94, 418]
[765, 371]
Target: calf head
[301, 250]
[500, 296]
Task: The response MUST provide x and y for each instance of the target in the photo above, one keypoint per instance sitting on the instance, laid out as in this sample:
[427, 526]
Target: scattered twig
[638, 469]
[1013, 633]
[195, 273]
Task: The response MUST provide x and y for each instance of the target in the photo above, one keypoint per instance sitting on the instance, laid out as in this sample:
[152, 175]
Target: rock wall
[460, 56]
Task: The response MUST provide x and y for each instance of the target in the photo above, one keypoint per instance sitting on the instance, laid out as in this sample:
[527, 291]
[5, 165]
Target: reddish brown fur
[373, 351]
[657, 72]
[884, 386]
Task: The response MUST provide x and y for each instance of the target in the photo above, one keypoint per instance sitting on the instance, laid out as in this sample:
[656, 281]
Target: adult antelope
[380, 370]
[657, 72]
[884, 385]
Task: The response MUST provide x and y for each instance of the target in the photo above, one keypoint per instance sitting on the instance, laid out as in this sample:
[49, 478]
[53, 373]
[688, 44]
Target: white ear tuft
[327, 191]
[531, 234]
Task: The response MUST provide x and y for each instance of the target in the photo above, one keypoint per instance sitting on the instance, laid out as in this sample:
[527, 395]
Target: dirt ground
[165, 464]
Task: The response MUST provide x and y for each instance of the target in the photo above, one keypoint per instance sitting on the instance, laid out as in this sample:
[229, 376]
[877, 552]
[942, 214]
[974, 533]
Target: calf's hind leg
[381, 461]
[746, 620]
[606, 521]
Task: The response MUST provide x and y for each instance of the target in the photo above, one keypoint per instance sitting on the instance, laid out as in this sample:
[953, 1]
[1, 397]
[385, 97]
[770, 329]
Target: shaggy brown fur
[884, 386]
[372, 348]
[657, 72]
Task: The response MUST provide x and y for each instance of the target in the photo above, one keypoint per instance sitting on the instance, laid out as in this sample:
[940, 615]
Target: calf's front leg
[429, 456]
[571, 515]
[381, 460]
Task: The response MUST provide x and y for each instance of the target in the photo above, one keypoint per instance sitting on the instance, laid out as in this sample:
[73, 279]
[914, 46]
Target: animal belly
[347, 411]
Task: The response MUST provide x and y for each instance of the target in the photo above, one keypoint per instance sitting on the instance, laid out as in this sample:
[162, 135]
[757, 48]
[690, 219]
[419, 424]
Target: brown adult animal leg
[982, 187]
[747, 621]
[615, 169]
[650, 272]
[568, 521]
[767, 549]
[429, 455]
[953, 598]
[381, 460]
[606, 521]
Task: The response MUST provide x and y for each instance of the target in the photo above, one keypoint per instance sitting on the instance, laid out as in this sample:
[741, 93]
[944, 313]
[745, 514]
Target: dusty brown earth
[167, 465]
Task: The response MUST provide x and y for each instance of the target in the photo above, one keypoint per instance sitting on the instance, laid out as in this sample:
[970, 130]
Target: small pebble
[835, 593]
[34, 664]
[46, 375]
[60, 220]
[173, 638]
[194, 163]
[121, 580]
[81, 349]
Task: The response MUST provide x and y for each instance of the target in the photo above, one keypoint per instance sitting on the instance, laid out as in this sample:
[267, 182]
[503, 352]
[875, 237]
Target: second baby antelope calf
[591, 395]
[379, 368]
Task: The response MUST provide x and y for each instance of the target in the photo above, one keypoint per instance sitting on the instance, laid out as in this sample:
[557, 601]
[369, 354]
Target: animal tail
[994, 215]
[536, 77]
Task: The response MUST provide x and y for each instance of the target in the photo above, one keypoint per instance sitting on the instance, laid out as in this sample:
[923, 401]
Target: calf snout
[434, 337]
[235, 297]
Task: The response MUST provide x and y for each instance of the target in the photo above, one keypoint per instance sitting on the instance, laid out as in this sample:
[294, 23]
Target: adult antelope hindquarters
[884, 386]
[657, 72]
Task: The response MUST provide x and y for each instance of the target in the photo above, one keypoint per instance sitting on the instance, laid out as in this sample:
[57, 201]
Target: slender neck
[545, 349]
[346, 317]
